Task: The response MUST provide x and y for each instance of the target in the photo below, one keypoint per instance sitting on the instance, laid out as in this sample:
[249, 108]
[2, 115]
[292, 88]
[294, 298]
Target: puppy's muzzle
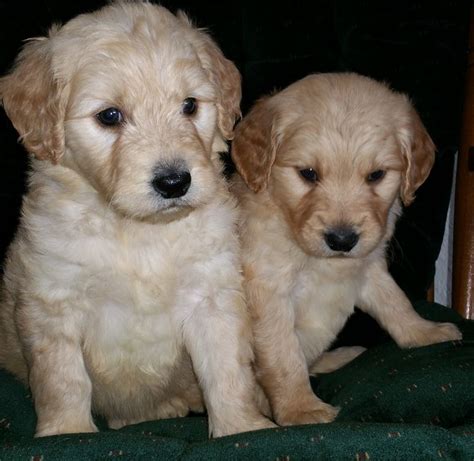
[341, 238]
[171, 183]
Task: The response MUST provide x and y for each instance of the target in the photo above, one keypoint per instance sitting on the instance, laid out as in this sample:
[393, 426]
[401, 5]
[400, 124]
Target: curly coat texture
[117, 300]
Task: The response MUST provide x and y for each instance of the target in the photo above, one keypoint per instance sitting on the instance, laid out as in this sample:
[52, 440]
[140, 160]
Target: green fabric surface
[395, 404]
[430, 385]
[336, 441]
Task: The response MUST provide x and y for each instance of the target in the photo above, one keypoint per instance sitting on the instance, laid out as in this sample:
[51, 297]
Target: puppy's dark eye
[308, 174]
[376, 176]
[190, 106]
[110, 117]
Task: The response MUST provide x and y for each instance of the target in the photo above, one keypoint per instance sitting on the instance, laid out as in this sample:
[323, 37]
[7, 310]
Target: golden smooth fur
[118, 300]
[341, 131]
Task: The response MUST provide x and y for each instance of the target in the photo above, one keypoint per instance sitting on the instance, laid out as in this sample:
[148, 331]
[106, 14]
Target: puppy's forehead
[127, 51]
[318, 143]
[334, 125]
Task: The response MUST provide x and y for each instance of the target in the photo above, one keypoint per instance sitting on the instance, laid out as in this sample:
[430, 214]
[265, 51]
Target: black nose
[172, 184]
[341, 238]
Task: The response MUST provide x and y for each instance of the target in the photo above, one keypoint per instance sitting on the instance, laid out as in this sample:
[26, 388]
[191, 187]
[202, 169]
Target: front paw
[316, 413]
[46, 429]
[430, 333]
[262, 423]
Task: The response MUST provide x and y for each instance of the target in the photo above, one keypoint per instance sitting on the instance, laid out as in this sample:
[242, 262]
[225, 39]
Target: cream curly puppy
[324, 166]
[122, 293]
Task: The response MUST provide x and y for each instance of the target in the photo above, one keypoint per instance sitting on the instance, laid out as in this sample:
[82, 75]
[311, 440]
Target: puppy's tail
[333, 360]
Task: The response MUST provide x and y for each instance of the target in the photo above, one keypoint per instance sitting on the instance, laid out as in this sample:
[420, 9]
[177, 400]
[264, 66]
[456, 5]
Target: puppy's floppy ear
[254, 146]
[32, 101]
[224, 76]
[418, 151]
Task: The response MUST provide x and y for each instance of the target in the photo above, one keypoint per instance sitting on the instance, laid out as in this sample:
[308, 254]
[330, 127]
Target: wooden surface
[463, 267]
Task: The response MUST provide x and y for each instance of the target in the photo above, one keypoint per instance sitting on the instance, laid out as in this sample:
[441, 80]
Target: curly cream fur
[116, 300]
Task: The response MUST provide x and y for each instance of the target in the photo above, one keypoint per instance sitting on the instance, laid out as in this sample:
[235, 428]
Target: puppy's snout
[341, 238]
[171, 183]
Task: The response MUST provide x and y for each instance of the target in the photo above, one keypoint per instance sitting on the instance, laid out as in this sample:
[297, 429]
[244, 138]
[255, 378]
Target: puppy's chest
[140, 275]
[131, 303]
[324, 294]
[136, 296]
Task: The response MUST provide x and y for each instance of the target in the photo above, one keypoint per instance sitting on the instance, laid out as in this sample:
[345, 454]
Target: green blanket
[395, 404]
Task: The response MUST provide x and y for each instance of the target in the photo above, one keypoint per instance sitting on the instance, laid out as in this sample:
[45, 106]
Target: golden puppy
[122, 289]
[323, 167]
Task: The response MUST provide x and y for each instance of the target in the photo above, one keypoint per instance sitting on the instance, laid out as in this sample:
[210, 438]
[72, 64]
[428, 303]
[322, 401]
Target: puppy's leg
[59, 382]
[218, 339]
[61, 390]
[385, 301]
[330, 361]
[281, 365]
[262, 402]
